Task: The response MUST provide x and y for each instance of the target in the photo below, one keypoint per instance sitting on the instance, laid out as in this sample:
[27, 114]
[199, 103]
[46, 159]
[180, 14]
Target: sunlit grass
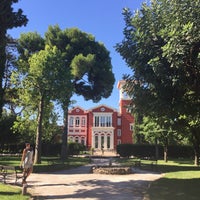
[8, 192]
[183, 175]
[48, 163]
[180, 181]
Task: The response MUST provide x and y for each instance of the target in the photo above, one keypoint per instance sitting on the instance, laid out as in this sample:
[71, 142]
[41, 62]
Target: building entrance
[103, 140]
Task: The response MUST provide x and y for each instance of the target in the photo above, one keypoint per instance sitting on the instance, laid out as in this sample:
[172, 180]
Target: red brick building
[102, 126]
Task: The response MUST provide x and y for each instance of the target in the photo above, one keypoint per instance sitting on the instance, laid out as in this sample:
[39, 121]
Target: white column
[105, 141]
[99, 140]
[112, 140]
[93, 138]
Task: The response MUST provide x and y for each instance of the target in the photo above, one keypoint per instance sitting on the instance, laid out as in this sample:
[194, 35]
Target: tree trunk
[64, 154]
[156, 149]
[196, 156]
[166, 150]
[2, 67]
[165, 153]
[38, 143]
[196, 146]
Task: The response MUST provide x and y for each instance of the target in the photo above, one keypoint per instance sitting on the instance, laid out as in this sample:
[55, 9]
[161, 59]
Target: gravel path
[79, 183]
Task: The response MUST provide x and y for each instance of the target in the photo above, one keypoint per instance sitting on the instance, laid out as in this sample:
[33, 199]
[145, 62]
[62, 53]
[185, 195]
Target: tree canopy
[59, 65]
[88, 60]
[8, 20]
[161, 45]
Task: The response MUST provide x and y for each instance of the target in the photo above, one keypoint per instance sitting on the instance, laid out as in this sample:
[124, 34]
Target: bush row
[47, 149]
[11, 148]
[144, 150]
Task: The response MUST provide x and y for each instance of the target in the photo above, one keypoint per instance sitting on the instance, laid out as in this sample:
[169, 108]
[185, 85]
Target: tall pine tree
[8, 20]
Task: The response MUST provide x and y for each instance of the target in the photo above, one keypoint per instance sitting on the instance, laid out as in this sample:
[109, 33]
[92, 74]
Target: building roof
[76, 107]
[103, 105]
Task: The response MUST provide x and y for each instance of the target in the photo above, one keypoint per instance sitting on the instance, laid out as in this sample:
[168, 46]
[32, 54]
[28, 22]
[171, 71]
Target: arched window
[96, 141]
[102, 141]
[83, 121]
[108, 121]
[119, 121]
[70, 139]
[103, 121]
[77, 122]
[77, 139]
[71, 121]
[108, 141]
[96, 121]
[119, 132]
[83, 140]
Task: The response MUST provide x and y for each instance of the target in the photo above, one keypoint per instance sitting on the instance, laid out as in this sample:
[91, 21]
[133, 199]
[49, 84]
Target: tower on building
[126, 117]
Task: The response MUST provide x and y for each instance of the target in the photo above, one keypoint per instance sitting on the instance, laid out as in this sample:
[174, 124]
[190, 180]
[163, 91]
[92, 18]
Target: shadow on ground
[101, 190]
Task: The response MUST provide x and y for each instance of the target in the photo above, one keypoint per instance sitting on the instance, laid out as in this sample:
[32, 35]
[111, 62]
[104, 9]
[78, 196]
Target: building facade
[102, 126]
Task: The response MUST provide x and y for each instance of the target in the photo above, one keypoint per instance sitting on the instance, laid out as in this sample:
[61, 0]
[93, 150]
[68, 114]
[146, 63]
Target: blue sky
[101, 18]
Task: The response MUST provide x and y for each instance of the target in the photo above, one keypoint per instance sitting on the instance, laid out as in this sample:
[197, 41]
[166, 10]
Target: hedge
[48, 149]
[146, 150]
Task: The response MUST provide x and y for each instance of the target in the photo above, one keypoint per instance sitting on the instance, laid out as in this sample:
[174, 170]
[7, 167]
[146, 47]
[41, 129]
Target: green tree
[25, 124]
[154, 131]
[7, 136]
[8, 20]
[40, 85]
[162, 46]
[87, 61]
[9, 91]
[24, 127]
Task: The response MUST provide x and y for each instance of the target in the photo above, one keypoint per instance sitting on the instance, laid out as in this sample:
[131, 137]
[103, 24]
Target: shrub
[75, 148]
[146, 150]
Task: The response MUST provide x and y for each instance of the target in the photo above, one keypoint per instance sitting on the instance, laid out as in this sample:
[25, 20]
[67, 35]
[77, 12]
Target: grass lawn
[181, 180]
[10, 192]
[48, 164]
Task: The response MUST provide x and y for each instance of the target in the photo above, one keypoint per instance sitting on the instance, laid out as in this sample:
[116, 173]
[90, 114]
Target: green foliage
[28, 44]
[124, 150]
[11, 193]
[84, 58]
[149, 151]
[44, 82]
[8, 20]
[81, 64]
[53, 68]
[51, 149]
[7, 136]
[25, 127]
[162, 78]
[137, 150]
[151, 129]
[75, 148]
[45, 72]
[161, 45]
[87, 59]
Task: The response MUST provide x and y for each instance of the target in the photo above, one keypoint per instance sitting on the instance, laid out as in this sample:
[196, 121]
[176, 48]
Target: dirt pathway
[79, 183]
